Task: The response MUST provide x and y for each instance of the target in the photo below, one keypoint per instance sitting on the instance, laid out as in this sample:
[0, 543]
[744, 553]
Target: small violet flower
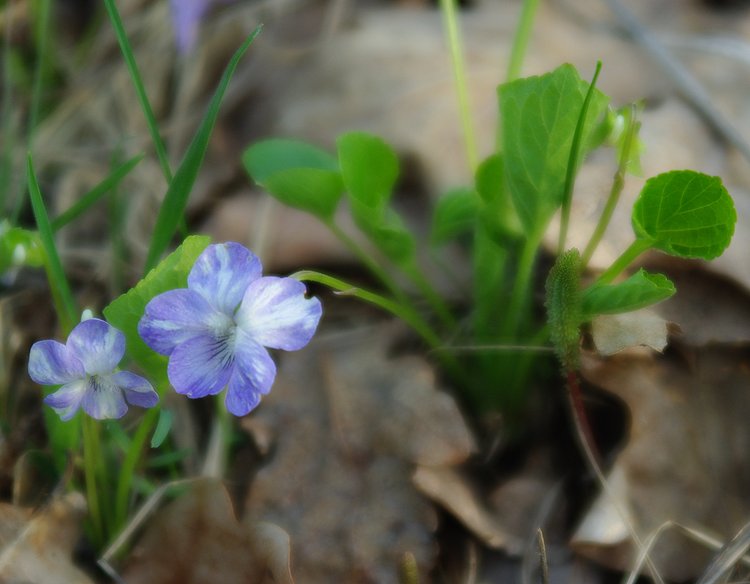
[217, 329]
[85, 366]
[186, 19]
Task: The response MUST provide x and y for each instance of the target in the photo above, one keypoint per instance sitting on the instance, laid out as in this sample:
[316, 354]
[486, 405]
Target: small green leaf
[638, 291]
[268, 157]
[297, 174]
[563, 305]
[388, 234]
[455, 214]
[369, 167]
[538, 119]
[685, 213]
[125, 311]
[163, 426]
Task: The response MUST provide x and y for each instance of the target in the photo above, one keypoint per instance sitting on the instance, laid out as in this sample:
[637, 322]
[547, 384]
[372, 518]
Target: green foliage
[538, 120]
[175, 200]
[297, 174]
[497, 213]
[125, 311]
[369, 168]
[163, 426]
[685, 213]
[563, 303]
[638, 291]
[455, 214]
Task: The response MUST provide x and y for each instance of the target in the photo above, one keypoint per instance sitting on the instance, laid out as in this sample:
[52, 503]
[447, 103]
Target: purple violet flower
[85, 366]
[217, 329]
[186, 19]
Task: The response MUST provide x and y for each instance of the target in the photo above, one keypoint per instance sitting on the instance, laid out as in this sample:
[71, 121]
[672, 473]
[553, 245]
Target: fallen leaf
[685, 459]
[40, 550]
[350, 425]
[614, 332]
[204, 542]
[453, 491]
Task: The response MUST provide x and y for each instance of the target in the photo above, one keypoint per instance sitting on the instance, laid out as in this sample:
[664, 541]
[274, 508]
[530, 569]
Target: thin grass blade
[175, 200]
[140, 89]
[87, 200]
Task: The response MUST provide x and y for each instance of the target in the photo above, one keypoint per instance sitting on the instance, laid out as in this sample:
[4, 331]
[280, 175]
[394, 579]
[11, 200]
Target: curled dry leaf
[350, 424]
[685, 460]
[614, 332]
[39, 550]
[206, 543]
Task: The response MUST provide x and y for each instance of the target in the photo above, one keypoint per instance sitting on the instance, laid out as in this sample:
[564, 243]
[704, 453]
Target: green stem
[518, 307]
[618, 183]
[628, 256]
[459, 72]
[90, 447]
[435, 300]
[521, 40]
[370, 264]
[405, 313]
[573, 159]
[127, 53]
[132, 458]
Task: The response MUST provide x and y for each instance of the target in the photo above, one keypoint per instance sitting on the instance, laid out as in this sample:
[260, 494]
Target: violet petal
[201, 366]
[67, 399]
[98, 345]
[138, 391]
[51, 363]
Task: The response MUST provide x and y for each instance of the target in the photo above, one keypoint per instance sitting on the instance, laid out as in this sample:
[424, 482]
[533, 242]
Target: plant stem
[628, 256]
[127, 470]
[618, 183]
[453, 32]
[435, 300]
[403, 312]
[369, 262]
[521, 40]
[90, 473]
[518, 308]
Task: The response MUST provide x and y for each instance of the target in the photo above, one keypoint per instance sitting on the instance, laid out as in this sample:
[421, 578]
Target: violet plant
[202, 318]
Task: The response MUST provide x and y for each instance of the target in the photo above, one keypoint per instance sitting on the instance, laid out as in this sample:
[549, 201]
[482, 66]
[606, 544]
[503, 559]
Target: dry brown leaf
[614, 332]
[39, 551]
[685, 459]
[197, 539]
[452, 490]
[349, 426]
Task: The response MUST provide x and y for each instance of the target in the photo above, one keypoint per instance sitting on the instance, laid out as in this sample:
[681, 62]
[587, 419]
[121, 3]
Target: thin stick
[685, 82]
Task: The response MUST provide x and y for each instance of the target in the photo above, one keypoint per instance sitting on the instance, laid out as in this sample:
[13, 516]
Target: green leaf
[369, 167]
[455, 214]
[268, 157]
[125, 311]
[175, 200]
[638, 291]
[297, 174]
[388, 234]
[538, 120]
[685, 213]
[497, 213]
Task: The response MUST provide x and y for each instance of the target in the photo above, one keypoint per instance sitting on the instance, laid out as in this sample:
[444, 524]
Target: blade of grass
[173, 206]
[86, 201]
[62, 295]
[573, 160]
[64, 436]
[453, 33]
[140, 89]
